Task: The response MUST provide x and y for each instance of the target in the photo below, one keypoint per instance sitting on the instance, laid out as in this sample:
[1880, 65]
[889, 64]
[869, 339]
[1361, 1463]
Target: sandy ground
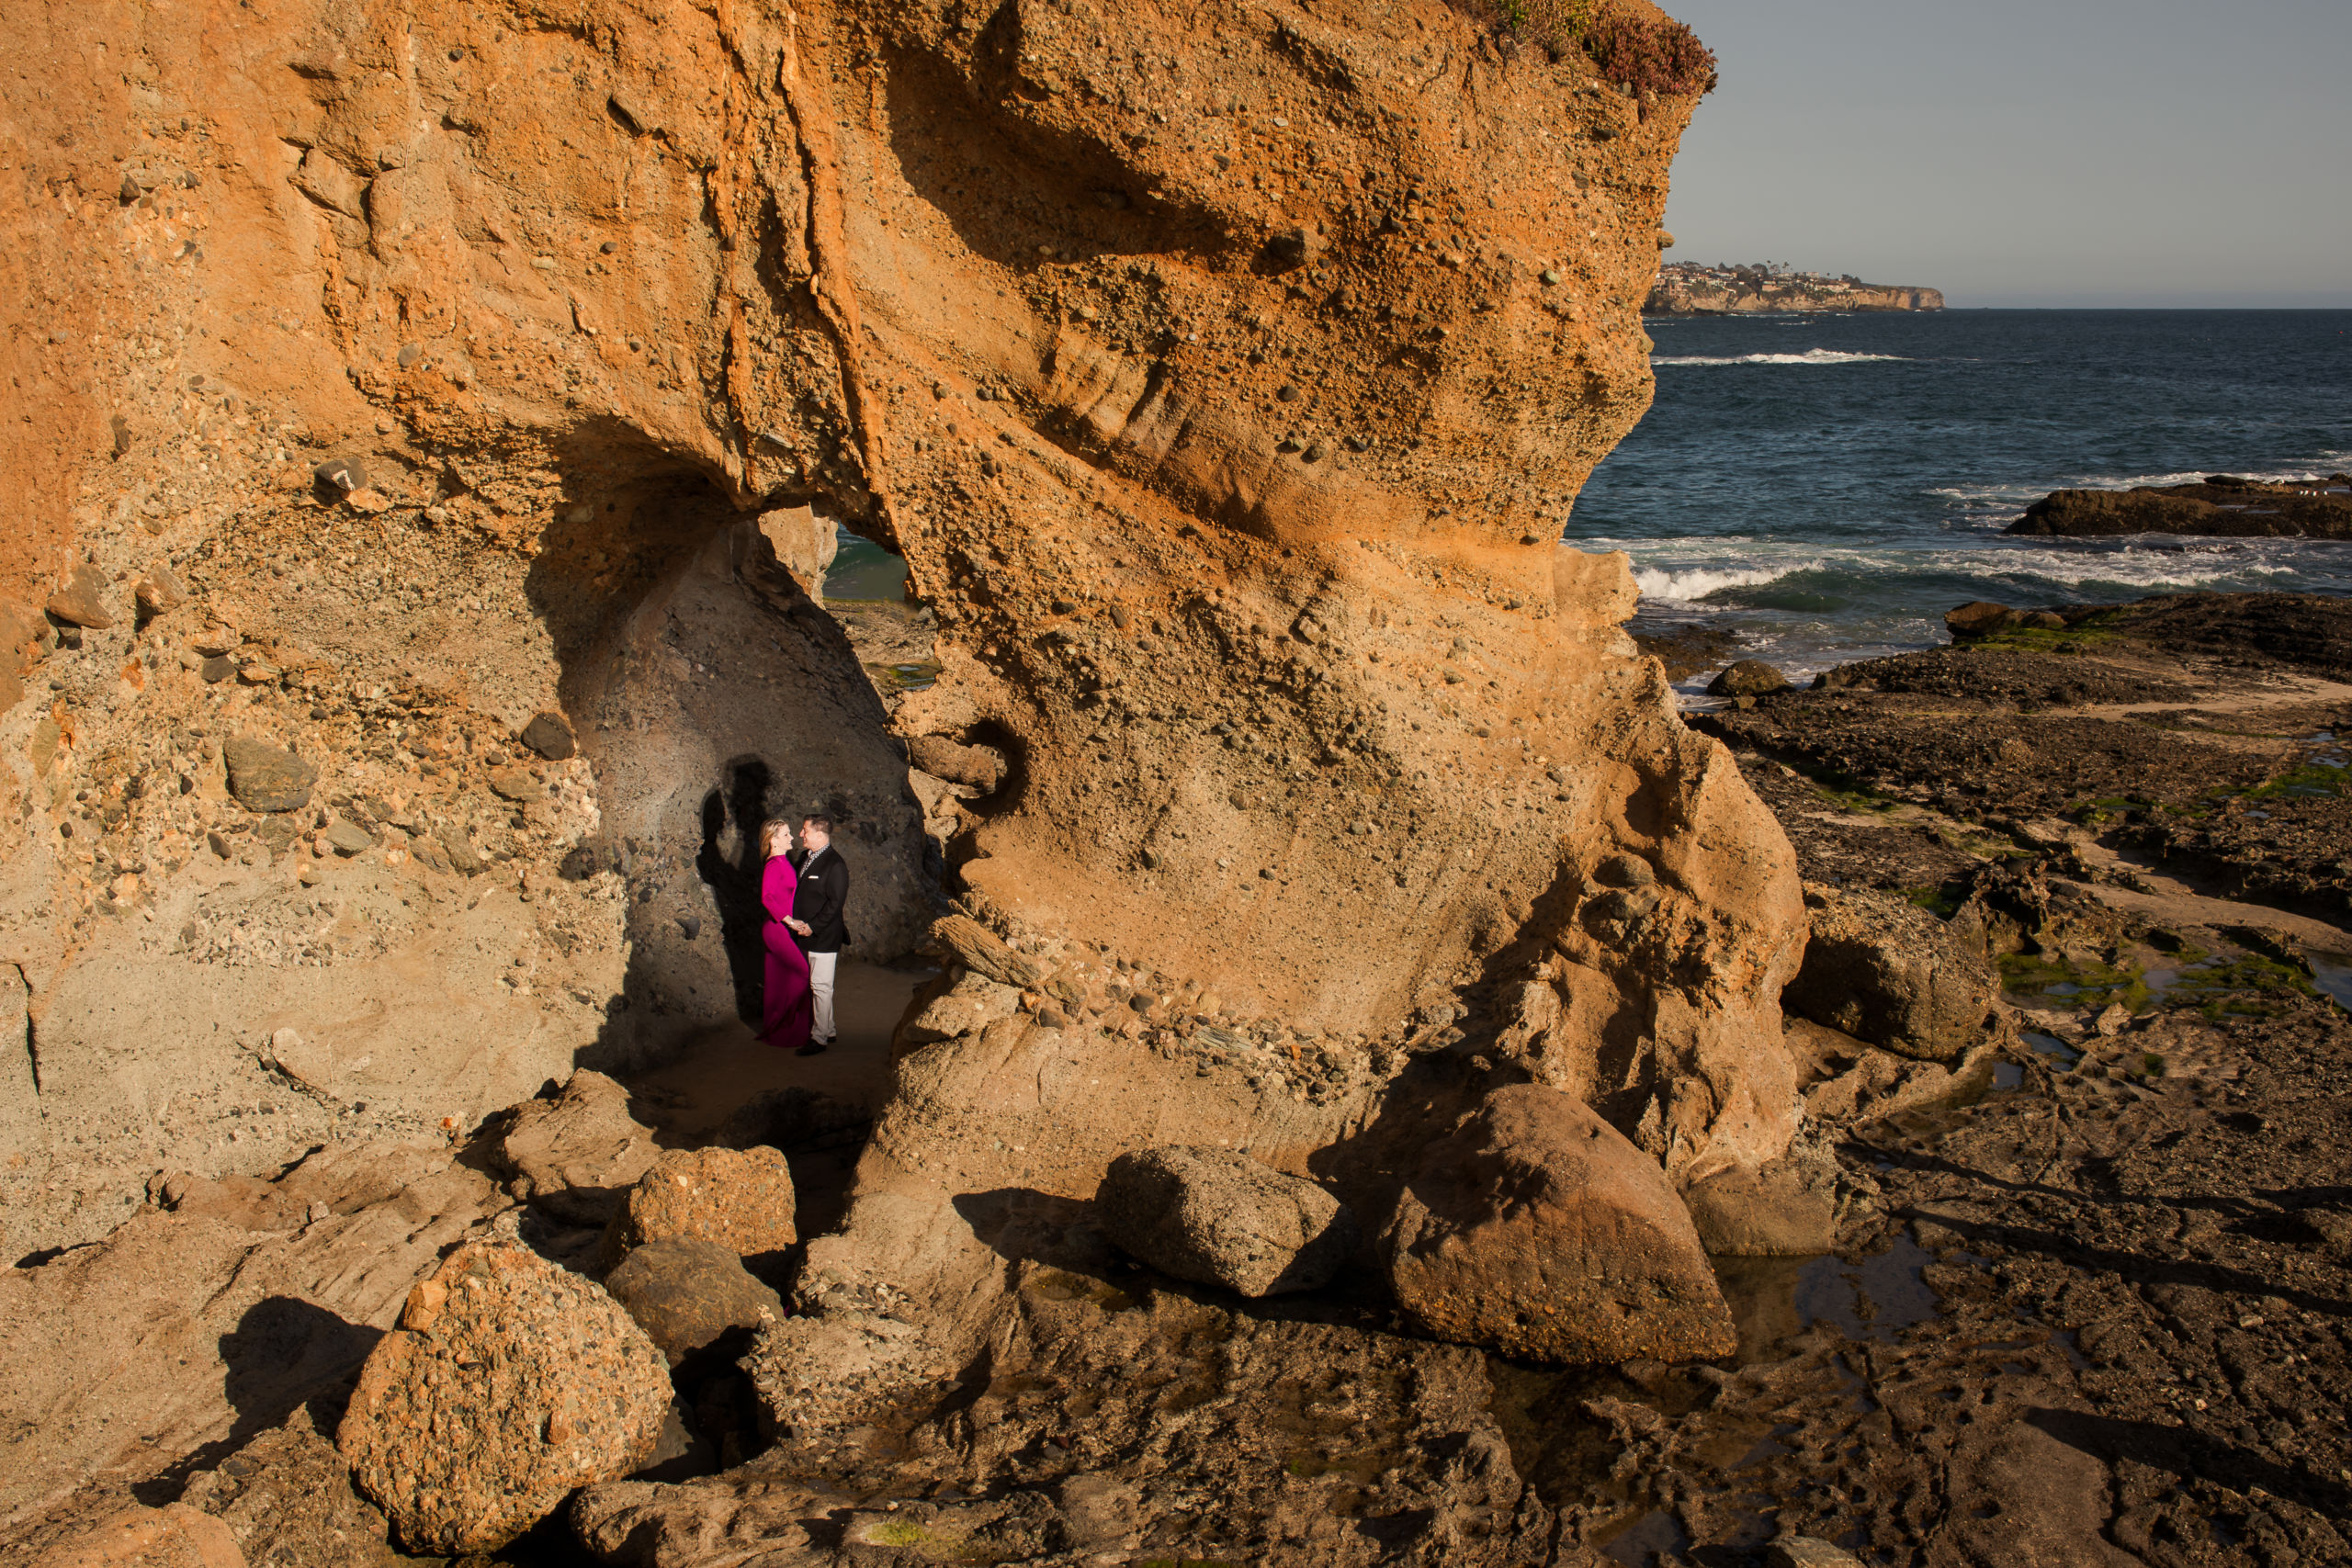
[725, 1066]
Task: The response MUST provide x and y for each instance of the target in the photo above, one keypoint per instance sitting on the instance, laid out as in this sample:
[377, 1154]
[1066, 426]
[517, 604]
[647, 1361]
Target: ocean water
[1826, 487]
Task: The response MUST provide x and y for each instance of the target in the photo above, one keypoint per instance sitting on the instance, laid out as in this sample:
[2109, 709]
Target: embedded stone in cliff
[981, 767]
[158, 593]
[687, 1294]
[1221, 1218]
[517, 784]
[578, 1155]
[740, 1199]
[962, 940]
[1888, 973]
[340, 475]
[509, 1384]
[550, 737]
[266, 778]
[969, 1006]
[80, 600]
[1536, 1229]
[1748, 678]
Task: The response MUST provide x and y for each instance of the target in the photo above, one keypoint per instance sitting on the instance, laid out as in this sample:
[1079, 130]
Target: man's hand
[801, 927]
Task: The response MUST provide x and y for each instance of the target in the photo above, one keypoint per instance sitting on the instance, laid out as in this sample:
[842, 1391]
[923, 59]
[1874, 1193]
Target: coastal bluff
[1688, 288]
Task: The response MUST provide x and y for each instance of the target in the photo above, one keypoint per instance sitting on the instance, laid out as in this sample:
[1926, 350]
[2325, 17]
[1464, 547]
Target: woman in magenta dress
[785, 1010]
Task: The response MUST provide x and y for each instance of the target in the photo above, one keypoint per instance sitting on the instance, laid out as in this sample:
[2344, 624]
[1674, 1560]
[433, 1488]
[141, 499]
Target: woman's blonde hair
[770, 829]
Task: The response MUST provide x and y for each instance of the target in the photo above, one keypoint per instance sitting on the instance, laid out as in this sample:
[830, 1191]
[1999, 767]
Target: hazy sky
[2030, 151]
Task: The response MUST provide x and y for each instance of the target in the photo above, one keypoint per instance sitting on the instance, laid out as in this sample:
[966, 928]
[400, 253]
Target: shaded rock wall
[1223, 377]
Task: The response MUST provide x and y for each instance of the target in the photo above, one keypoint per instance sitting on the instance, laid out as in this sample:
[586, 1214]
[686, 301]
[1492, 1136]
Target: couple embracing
[802, 893]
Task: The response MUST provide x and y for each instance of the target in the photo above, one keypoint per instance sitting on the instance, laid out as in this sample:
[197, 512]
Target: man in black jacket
[817, 905]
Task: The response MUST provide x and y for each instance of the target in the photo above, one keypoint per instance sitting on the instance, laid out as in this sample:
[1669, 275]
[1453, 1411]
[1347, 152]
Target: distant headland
[1689, 289]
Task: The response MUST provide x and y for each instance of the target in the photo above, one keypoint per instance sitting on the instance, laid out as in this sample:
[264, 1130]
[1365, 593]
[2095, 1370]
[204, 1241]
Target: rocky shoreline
[1335, 1070]
[1688, 288]
[2074, 1281]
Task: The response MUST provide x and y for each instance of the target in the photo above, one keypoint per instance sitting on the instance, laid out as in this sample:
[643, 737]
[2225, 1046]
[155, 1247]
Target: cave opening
[713, 688]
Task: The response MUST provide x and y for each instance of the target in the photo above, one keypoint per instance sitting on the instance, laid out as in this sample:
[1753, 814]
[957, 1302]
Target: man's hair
[822, 823]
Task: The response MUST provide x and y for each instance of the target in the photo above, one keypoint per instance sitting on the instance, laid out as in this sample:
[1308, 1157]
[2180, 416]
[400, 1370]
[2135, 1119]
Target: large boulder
[739, 1199]
[1219, 1217]
[1888, 973]
[1536, 1229]
[578, 1155]
[509, 1384]
[1978, 617]
[687, 1294]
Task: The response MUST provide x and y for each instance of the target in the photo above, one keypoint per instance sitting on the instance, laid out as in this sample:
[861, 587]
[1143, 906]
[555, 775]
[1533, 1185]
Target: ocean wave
[1697, 583]
[1810, 356]
[2186, 568]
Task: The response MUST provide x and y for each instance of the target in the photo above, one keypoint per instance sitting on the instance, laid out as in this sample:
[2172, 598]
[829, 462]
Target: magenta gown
[786, 1009]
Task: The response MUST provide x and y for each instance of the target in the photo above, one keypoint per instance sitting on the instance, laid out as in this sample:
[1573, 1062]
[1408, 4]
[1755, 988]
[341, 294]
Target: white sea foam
[1700, 582]
[1810, 356]
[2188, 567]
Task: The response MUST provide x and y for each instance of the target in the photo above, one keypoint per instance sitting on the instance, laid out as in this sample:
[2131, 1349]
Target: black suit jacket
[820, 897]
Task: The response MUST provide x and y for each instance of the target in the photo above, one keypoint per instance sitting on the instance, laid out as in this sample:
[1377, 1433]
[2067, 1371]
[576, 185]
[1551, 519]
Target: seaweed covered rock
[1537, 1229]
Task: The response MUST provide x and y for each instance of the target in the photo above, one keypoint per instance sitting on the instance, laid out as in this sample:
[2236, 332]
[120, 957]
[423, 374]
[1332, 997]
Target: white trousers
[821, 994]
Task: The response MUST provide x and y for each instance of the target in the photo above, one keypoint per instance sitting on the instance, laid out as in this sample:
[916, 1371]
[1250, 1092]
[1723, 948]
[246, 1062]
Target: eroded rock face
[1222, 376]
[1536, 1229]
[579, 1152]
[509, 1384]
[232, 1302]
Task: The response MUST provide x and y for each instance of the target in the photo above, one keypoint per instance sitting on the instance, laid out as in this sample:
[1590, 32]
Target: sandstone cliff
[1686, 288]
[431, 393]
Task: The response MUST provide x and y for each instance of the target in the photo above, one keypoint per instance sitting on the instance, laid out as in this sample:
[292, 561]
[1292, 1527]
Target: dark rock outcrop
[1748, 678]
[688, 1294]
[2222, 505]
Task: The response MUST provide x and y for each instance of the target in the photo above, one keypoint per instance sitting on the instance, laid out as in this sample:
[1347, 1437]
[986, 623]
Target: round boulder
[1536, 1229]
[1220, 1218]
[509, 1384]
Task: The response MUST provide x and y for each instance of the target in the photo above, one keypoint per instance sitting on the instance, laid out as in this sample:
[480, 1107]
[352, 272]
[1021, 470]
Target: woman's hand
[802, 927]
